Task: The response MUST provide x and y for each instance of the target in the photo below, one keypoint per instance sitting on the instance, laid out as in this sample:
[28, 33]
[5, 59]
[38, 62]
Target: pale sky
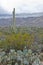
[22, 6]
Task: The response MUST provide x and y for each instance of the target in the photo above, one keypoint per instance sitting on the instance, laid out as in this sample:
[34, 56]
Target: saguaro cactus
[14, 21]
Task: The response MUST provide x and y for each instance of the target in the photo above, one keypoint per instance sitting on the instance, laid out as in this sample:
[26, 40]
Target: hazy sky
[22, 6]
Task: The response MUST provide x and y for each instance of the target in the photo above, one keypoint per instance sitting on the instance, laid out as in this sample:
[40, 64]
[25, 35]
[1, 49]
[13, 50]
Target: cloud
[2, 11]
[28, 6]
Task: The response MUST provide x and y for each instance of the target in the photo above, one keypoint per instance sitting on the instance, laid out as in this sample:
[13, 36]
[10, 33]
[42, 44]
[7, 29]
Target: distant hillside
[23, 19]
[29, 14]
[30, 21]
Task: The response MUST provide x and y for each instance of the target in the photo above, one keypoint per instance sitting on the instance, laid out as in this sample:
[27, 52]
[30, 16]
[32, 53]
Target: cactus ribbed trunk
[14, 21]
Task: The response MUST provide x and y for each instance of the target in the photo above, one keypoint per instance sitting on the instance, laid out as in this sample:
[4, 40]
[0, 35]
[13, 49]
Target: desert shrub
[17, 41]
[22, 38]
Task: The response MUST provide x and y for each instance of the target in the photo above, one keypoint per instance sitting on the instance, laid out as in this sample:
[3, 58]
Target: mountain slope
[29, 21]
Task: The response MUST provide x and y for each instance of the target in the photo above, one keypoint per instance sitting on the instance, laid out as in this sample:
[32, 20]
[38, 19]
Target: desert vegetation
[23, 37]
[26, 42]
